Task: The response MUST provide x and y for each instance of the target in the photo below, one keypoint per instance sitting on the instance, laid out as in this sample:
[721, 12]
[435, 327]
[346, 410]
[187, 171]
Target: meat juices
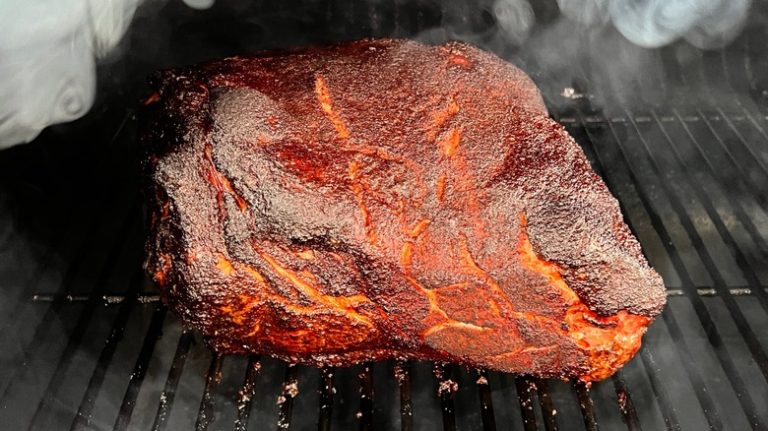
[383, 198]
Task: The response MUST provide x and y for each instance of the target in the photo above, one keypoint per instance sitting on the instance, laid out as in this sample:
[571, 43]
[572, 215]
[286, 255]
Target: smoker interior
[85, 343]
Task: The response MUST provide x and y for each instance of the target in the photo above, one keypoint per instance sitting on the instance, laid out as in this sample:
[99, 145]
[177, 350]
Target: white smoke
[705, 24]
[610, 42]
[49, 48]
[515, 18]
[587, 12]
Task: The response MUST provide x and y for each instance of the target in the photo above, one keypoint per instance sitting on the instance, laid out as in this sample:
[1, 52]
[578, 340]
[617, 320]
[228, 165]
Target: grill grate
[93, 348]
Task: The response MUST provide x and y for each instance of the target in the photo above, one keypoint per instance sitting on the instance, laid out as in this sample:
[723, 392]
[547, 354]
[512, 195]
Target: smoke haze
[49, 49]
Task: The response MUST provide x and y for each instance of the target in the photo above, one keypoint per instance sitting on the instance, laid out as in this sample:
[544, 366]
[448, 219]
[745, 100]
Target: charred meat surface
[384, 198]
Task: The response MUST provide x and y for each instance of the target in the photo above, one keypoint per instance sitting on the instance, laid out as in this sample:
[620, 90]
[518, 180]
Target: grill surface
[85, 343]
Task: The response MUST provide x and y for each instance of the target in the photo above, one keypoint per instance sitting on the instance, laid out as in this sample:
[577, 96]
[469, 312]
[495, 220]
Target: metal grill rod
[586, 404]
[212, 378]
[525, 393]
[151, 299]
[366, 397]
[140, 369]
[172, 381]
[445, 389]
[548, 410]
[710, 291]
[626, 406]
[486, 401]
[103, 299]
[286, 396]
[666, 405]
[326, 398]
[246, 393]
[403, 376]
[599, 119]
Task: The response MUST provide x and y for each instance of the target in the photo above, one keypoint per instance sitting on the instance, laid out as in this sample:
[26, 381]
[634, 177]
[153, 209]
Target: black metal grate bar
[697, 382]
[525, 394]
[366, 397]
[285, 398]
[172, 381]
[246, 393]
[140, 369]
[662, 397]
[626, 406]
[212, 378]
[446, 389]
[548, 410]
[84, 412]
[108, 300]
[326, 398]
[486, 401]
[403, 376]
[586, 405]
[104, 299]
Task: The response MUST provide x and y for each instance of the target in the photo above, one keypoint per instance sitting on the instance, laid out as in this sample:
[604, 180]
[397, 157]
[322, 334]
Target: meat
[381, 199]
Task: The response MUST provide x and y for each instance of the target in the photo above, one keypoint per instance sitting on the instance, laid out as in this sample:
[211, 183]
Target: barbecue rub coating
[381, 199]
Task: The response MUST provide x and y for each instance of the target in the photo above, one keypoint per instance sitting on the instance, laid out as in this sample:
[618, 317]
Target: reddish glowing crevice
[326, 103]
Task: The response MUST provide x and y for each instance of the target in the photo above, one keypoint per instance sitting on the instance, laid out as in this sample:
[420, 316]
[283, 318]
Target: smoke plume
[705, 24]
[49, 49]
